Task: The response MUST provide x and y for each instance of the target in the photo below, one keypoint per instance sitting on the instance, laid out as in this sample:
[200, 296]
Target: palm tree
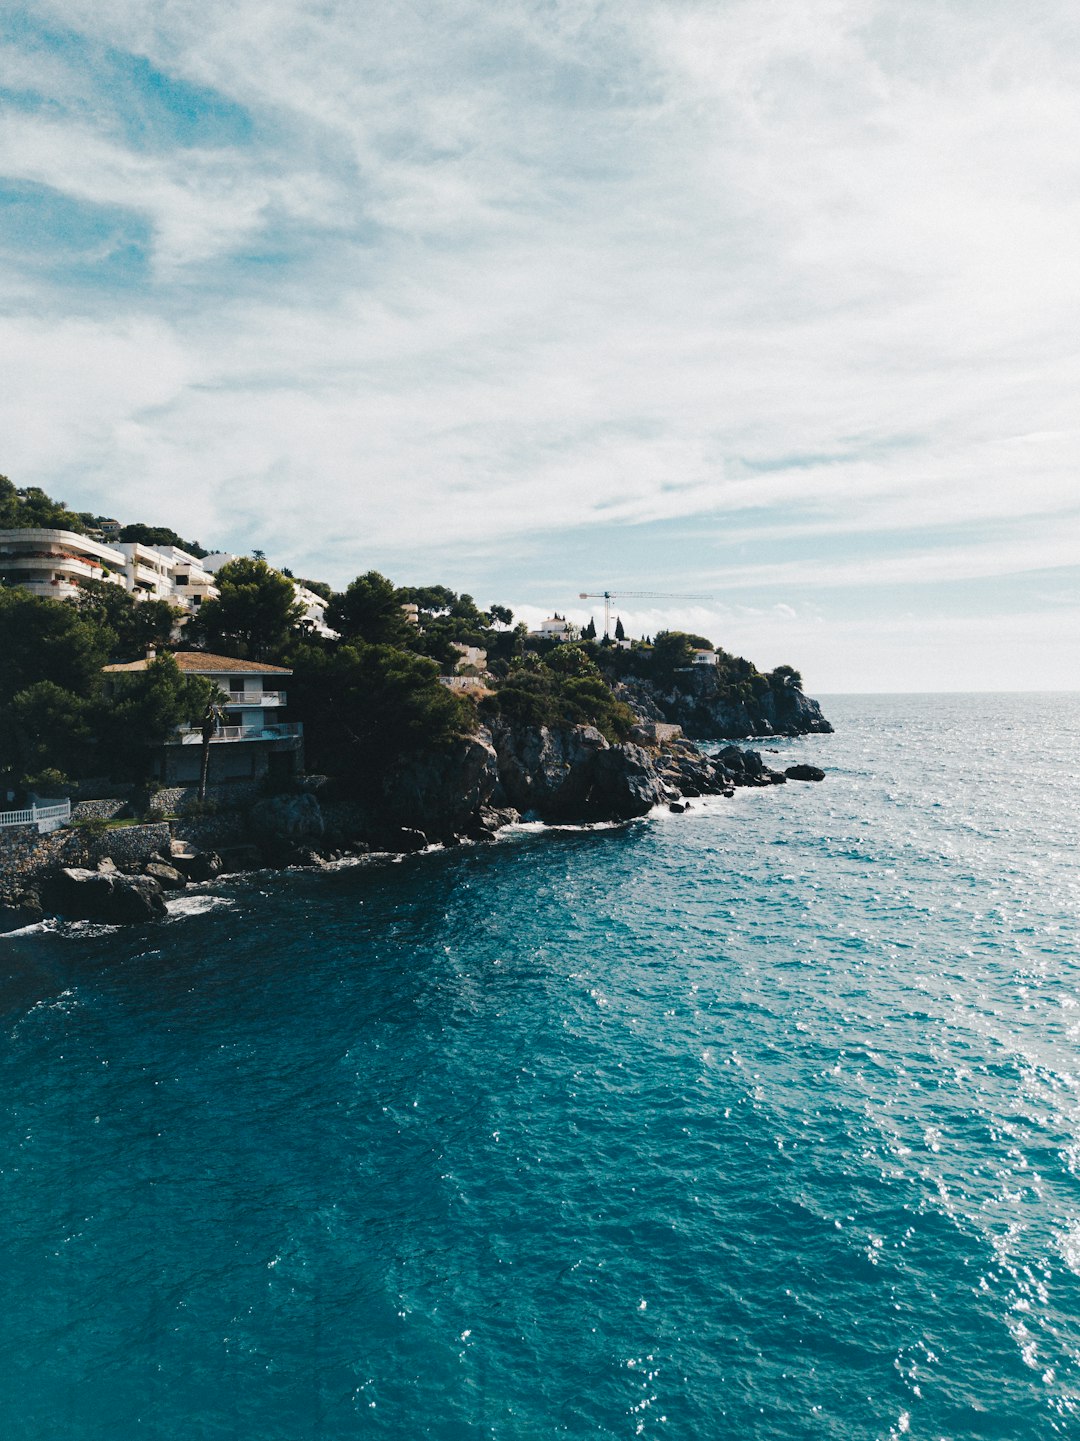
[213, 716]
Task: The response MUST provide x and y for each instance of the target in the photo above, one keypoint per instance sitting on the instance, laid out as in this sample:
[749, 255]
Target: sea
[758, 1122]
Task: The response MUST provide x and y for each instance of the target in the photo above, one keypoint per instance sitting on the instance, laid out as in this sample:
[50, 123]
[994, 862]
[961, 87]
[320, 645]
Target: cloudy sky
[774, 301]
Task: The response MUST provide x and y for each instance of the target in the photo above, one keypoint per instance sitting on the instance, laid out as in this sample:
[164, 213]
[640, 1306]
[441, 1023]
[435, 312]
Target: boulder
[240, 858]
[197, 865]
[167, 877]
[23, 908]
[625, 783]
[571, 773]
[116, 899]
[804, 773]
[548, 770]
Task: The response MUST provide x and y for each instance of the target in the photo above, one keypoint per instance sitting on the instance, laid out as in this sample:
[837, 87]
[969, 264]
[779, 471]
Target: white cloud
[809, 269]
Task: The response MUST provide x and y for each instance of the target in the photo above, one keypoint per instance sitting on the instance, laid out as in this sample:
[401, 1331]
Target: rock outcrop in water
[104, 895]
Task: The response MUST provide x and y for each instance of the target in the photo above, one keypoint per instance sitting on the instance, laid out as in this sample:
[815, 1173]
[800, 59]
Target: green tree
[254, 616]
[160, 535]
[319, 587]
[620, 634]
[44, 639]
[45, 728]
[369, 610]
[31, 507]
[571, 660]
[142, 711]
[785, 677]
[135, 623]
[364, 706]
[674, 649]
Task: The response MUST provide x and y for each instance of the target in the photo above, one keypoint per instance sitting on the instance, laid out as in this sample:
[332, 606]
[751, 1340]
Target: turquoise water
[757, 1122]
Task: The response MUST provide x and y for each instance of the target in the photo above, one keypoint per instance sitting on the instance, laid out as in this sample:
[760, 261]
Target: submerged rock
[804, 773]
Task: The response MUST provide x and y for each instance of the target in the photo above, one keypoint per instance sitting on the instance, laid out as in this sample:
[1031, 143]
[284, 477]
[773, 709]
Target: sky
[770, 302]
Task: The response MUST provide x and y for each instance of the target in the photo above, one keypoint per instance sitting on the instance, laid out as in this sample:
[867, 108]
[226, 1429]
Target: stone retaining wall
[25, 856]
[98, 810]
[172, 800]
[209, 832]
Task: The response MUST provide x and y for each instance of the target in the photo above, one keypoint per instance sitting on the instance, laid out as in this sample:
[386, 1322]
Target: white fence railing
[36, 815]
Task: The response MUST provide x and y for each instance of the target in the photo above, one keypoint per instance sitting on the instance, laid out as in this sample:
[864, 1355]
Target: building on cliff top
[254, 740]
[54, 563]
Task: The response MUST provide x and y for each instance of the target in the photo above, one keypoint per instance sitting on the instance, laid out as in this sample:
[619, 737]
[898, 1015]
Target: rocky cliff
[699, 702]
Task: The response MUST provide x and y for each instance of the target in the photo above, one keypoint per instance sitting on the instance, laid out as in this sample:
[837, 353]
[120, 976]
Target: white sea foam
[198, 904]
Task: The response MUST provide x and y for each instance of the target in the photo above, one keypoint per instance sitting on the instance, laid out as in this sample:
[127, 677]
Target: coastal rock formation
[104, 895]
[440, 793]
[697, 701]
[571, 773]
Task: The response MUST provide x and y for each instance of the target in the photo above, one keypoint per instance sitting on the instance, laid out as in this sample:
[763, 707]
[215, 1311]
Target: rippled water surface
[757, 1122]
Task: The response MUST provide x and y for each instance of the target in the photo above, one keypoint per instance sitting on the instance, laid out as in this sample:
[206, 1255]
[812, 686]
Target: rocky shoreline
[466, 793]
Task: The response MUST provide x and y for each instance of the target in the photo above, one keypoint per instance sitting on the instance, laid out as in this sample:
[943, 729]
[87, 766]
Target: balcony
[283, 730]
[55, 589]
[256, 697]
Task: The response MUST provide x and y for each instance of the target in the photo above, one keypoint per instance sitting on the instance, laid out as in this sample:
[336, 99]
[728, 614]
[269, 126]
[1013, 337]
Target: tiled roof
[201, 662]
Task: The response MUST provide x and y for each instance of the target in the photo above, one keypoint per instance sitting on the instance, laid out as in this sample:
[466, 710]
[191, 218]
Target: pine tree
[620, 634]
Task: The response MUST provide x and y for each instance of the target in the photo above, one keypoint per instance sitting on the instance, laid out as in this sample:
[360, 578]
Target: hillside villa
[254, 739]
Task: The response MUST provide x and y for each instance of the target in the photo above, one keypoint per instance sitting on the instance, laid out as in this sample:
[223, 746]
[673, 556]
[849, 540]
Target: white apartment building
[54, 563]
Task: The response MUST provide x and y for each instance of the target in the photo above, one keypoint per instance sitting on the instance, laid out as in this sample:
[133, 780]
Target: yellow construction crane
[607, 596]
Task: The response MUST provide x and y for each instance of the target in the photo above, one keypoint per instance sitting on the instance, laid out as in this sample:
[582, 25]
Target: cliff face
[564, 773]
[697, 701]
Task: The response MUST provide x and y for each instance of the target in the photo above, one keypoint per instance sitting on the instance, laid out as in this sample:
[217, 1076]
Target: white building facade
[55, 563]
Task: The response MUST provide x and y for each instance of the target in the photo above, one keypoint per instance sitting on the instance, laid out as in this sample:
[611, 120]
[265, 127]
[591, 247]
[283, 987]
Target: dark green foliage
[589, 633]
[46, 728]
[565, 689]
[143, 709]
[48, 640]
[365, 706]
[785, 677]
[31, 507]
[447, 619]
[255, 615]
[320, 587]
[135, 624]
[571, 660]
[674, 649]
[370, 611]
[160, 535]
[620, 634]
